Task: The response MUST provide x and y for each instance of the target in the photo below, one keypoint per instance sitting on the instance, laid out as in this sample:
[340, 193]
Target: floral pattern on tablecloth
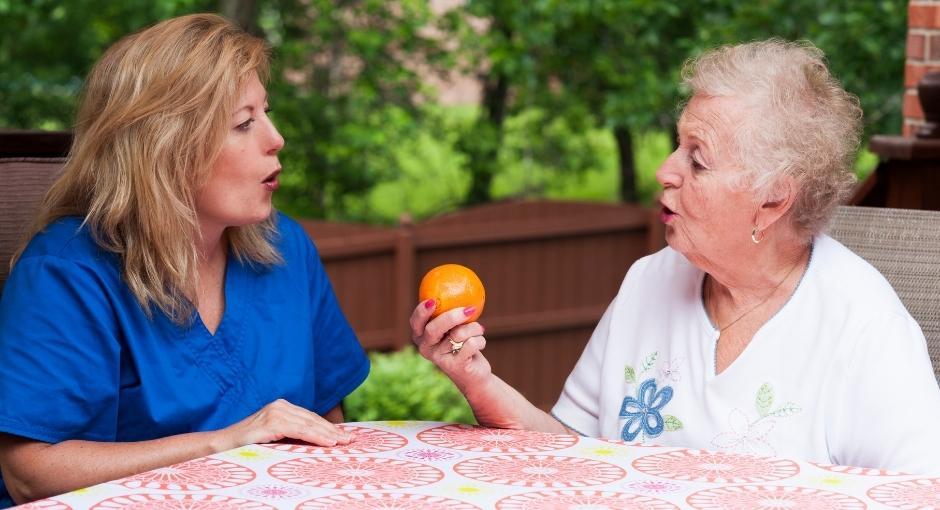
[715, 467]
[850, 470]
[540, 471]
[179, 502]
[276, 492]
[46, 504]
[431, 465]
[366, 441]
[476, 439]
[772, 497]
[919, 493]
[195, 475]
[386, 500]
[582, 499]
[355, 473]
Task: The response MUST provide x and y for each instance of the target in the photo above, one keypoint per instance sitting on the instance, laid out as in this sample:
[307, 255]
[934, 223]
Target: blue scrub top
[79, 358]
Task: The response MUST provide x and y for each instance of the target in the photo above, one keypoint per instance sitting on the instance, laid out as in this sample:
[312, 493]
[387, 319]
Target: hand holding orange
[453, 286]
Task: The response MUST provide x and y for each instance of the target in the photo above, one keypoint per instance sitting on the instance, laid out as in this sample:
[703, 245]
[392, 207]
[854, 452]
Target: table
[431, 465]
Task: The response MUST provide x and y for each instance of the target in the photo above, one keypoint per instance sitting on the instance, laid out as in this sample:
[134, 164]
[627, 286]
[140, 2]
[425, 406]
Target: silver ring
[455, 346]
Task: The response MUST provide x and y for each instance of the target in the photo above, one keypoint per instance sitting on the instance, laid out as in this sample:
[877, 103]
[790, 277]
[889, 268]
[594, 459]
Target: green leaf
[650, 360]
[629, 375]
[788, 409]
[672, 423]
[765, 399]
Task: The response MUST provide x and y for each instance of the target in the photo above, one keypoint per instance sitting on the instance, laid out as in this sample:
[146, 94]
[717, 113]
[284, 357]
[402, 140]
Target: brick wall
[923, 56]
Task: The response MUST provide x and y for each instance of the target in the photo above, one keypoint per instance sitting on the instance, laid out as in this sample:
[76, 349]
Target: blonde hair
[801, 122]
[153, 115]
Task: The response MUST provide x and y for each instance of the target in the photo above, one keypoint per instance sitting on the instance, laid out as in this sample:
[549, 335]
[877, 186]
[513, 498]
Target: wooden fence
[550, 270]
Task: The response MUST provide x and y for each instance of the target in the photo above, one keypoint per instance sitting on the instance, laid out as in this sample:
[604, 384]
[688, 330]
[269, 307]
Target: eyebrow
[250, 107]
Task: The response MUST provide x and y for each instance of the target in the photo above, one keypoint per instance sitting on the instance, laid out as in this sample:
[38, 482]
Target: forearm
[34, 470]
[497, 404]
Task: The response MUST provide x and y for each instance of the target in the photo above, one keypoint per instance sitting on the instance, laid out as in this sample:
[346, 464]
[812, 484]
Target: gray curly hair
[803, 124]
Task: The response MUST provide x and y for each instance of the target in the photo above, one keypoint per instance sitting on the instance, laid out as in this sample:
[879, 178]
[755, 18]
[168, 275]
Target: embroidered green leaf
[650, 360]
[788, 409]
[672, 423]
[629, 374]
[765, 399]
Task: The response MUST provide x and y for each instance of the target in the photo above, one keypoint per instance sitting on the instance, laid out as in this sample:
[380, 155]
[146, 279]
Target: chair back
[25, 181]
[904, 245]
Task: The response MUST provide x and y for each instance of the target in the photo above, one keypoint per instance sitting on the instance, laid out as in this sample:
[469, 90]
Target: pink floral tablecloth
[428, 465]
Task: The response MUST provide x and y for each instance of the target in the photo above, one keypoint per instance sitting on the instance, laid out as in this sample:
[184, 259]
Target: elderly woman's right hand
[467, 366]
[282, 420]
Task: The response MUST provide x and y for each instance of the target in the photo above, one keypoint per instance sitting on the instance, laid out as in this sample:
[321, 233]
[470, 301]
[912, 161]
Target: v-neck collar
[233, 302]
[713, 332]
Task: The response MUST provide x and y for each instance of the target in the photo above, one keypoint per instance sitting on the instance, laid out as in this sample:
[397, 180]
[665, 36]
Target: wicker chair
[904, 244]
[25, 181]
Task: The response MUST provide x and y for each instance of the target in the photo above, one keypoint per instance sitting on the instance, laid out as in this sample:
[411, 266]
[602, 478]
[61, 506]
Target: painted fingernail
[482, 329]
[470, 310]
[429, 304]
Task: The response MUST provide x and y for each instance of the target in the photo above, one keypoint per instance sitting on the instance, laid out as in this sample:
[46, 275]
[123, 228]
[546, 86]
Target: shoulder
[841, 276]
[292, 240]
[67, 239]
[289, 230]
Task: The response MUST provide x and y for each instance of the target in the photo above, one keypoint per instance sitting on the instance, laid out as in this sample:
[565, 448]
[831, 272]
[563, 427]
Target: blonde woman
[163, 310]
[753, 331]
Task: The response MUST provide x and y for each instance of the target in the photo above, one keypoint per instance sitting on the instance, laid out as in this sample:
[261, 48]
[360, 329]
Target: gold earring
[754, 237]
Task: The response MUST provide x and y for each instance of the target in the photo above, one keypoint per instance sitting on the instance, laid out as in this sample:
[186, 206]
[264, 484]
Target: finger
[471, 346]
[434, 331]
[327, 427]
[420, 316]
[464, 331]
[456, 353]
[308, 418]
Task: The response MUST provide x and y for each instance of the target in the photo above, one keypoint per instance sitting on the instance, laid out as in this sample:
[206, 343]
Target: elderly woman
[163, 310]
[752, 331]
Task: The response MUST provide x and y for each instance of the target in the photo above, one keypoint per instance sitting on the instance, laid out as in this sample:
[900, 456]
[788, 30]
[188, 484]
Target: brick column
[923, 56]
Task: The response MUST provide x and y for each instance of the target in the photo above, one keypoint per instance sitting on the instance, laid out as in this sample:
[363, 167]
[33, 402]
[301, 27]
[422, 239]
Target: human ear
[776, 203]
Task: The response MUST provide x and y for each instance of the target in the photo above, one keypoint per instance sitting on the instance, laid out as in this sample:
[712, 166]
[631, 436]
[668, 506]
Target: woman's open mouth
[271, 182]
[666, 215]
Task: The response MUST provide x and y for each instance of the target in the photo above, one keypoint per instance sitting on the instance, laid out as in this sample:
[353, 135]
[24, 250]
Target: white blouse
[839, 375]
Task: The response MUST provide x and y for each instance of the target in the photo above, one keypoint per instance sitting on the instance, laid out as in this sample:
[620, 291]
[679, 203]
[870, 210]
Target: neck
[770, 271]
[211, 248]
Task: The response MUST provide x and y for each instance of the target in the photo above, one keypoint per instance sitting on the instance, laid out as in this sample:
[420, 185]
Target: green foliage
[404, 386]
[365, 137]
[619, 60]
[47, 47]
[863, 40]
[345, 94]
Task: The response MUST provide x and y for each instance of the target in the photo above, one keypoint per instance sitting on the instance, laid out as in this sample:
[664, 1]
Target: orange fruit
[453, 286]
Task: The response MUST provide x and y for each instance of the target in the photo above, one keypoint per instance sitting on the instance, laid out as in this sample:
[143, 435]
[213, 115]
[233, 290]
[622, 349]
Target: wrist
[220, 440]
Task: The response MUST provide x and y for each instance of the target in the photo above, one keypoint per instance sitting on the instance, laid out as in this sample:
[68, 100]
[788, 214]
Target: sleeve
[59, 376]
[890, 404]
[578, 407]
[340, 363]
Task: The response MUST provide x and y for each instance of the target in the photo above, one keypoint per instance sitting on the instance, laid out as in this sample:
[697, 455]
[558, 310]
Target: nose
[669, 175]
[275, 141]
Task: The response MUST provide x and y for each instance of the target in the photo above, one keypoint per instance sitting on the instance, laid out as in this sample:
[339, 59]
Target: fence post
[405, 293]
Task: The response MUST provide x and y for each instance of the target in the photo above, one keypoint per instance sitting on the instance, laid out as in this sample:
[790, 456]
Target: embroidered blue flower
[642, 413]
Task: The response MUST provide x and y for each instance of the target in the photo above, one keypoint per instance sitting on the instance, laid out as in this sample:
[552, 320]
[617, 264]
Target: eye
[245, 126]
[694, 161]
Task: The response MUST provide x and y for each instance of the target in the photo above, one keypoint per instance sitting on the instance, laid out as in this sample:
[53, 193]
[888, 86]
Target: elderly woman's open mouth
[666, 214]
